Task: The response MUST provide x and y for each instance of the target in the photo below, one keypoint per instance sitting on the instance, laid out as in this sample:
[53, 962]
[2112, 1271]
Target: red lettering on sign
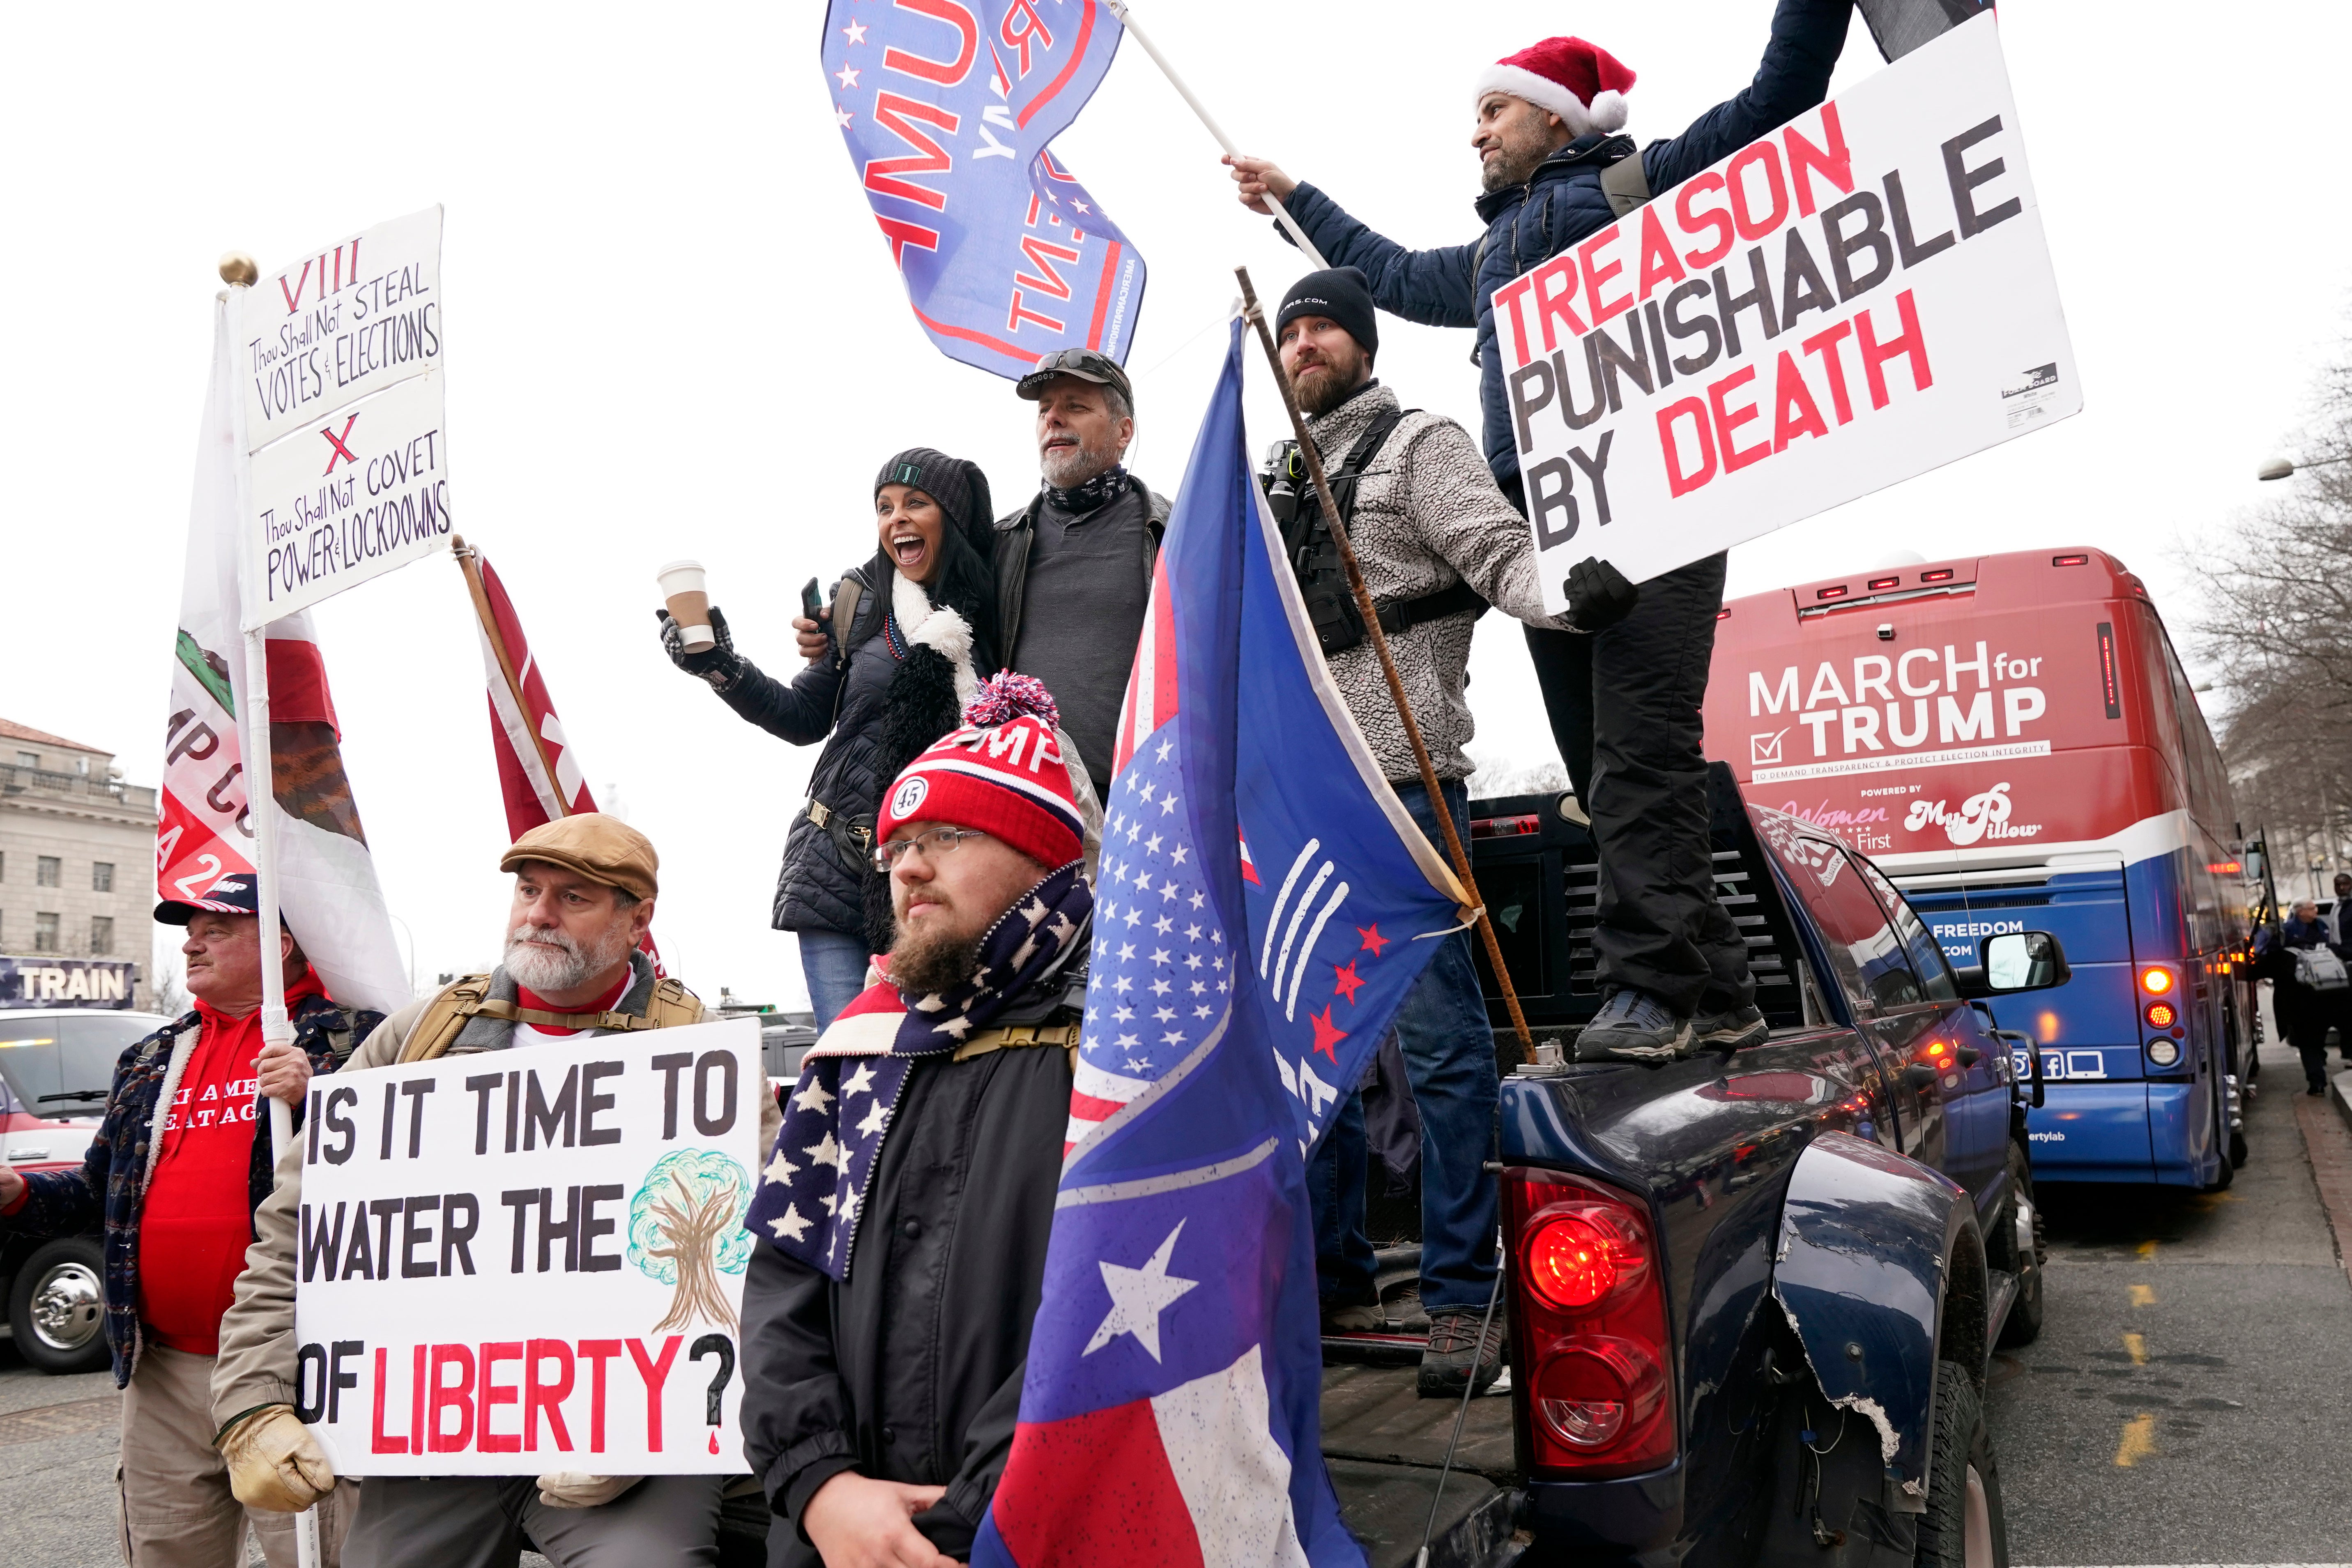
[1794, 413]
[546, 1397]
[1727, 420]
[379, 1440]
[1823, 345]
[442, 1396]
[895, 114]
[1759, 155]
[1660, 265]
[1834, 162]
[1679, 480]
[1509, 296]
[1595, 277]
[596, 1353]
[1692, 220]
[495, 1394]
[1909, 344]
[1554, 305]
[654, 1373]
[947, 73]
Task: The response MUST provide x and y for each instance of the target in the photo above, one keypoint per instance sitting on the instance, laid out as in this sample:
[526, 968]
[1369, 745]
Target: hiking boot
[1353, 1318]
[1456, 1355]
[1733, 1030]
[1633, 1026]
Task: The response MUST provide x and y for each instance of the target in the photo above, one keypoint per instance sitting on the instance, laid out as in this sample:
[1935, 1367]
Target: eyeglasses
[934, 841]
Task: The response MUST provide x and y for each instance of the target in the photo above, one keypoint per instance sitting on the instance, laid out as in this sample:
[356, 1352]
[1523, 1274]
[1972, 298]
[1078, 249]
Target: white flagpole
[238, 271]
[1120, 9]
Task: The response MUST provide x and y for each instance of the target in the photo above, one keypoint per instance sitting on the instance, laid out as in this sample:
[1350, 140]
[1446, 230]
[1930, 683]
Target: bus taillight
[2157, 980]
[2162, 1016]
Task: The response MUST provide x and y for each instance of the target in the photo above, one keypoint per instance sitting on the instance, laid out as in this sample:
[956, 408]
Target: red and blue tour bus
[2011, 738]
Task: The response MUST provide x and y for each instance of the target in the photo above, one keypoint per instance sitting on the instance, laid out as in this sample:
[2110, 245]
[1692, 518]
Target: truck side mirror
[2016, 960]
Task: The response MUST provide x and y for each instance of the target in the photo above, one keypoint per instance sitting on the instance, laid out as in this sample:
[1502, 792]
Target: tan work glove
[571, 1489]
[273, 1463]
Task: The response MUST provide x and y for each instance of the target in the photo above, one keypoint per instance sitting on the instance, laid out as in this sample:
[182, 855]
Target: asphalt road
[2186, 1401]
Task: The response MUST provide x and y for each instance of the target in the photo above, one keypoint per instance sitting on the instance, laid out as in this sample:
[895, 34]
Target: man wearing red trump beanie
[907, 1199]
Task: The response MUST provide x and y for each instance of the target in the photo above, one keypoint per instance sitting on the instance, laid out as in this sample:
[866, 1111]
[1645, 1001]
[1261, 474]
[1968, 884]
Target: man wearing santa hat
[1623, 692]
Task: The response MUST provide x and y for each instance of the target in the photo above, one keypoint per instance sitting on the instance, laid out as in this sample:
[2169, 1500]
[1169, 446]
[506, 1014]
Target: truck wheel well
[1962, 1337]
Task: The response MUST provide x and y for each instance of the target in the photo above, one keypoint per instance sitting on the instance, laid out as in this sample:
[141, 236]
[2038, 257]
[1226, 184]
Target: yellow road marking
[2138, 1345]
[2138, 1440]
[2148, 1249]
[2143, 1295]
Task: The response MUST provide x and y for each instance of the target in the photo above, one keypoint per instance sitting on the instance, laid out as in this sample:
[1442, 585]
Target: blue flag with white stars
[1263, 906]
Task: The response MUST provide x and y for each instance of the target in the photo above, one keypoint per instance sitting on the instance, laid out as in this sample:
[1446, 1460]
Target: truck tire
[58, 1309]
[1963, 1527]
[2025, 1323]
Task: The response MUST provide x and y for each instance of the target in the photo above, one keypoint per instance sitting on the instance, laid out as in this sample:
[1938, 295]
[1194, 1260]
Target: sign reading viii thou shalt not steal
[339, 357]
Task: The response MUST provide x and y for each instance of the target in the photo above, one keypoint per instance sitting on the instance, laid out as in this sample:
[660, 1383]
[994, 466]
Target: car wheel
[2236, 1150]
[1963, 1527]
[57, 1310]
[2025, 1323]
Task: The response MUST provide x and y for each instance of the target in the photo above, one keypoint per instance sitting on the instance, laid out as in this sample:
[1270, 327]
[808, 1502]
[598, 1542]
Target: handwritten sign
[1862, 296]
[520, 1261]
[339, 360]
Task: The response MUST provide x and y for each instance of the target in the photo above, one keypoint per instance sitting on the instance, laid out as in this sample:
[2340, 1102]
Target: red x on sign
[342, 453]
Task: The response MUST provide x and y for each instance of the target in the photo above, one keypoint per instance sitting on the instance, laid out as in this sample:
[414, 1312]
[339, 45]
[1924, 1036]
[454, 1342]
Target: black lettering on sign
[1965, 180]
[708, 1122]
[541, 1119]
[591, 1102]
[669, 1067]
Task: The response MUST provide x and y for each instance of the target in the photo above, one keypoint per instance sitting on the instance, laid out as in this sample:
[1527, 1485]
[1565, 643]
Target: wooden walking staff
[1371, 615]
[468, 559]
[1120, 9]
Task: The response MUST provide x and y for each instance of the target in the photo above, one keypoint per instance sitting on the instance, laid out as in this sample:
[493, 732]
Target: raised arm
[800, 712]
[1430, 287]
[1807, 36]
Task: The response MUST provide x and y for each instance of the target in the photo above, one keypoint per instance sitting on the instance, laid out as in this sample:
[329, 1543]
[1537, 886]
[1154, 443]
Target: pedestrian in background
[181, 1162]
[2294, 964]
[890, 663]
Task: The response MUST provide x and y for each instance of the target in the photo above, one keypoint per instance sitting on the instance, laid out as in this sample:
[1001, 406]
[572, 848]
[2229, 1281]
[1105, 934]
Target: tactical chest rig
[1315, 555]
[445, 1017]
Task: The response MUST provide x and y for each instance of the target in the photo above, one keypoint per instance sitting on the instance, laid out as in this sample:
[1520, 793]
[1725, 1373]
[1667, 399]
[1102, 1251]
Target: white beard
[551, 960]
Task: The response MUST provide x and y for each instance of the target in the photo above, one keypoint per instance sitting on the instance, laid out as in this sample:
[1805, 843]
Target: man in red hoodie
[175, 1172]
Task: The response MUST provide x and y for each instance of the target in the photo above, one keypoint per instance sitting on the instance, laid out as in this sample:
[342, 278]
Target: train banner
[531, 1261]
[1860, 297]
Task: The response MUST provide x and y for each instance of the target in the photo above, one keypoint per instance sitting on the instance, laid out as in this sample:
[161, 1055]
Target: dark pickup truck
[1752, 1297]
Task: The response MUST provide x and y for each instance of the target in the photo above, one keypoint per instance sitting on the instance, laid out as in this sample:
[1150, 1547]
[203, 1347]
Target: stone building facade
[76, 853]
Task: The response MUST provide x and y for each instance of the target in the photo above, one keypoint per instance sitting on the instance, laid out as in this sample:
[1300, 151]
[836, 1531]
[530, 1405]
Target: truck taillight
[1588, 1324]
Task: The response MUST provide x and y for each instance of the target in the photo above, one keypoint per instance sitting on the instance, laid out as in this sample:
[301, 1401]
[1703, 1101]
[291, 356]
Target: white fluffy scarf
[935, 626]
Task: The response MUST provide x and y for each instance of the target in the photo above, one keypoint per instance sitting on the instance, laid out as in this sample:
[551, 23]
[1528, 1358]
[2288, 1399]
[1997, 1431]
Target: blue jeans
[834, 968]
[1449, 1058]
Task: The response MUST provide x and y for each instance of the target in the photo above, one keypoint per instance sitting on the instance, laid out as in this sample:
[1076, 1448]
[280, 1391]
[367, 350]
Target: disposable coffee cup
[689, 606]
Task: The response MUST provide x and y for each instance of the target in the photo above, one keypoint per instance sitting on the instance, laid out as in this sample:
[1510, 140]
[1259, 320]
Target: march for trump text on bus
[1861, 297]
[339, 358]
[505, 1259]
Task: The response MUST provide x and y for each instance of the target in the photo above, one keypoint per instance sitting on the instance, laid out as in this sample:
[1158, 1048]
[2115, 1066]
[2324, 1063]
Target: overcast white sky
[674, 330]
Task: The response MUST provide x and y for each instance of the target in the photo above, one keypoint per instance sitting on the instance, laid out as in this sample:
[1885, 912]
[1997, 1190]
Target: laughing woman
[914, 631]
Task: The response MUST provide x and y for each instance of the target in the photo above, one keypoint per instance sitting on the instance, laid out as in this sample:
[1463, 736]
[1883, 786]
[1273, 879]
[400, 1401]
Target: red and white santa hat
[1005, 772]
[1582, 83]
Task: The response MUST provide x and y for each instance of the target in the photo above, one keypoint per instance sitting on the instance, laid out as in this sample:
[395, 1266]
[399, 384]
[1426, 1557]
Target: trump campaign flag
[327, 884]
[948, 109]
[1258, 919]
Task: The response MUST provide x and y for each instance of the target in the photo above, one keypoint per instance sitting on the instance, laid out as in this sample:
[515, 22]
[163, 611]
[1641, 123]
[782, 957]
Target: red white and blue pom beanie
[1582, 83]
[1005, 772]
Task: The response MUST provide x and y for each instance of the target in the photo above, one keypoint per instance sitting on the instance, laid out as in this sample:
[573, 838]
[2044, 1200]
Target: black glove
[721, 666]
[1598, 596]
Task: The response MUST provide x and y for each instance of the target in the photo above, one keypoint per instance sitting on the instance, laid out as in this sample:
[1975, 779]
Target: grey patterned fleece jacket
[1428, 515]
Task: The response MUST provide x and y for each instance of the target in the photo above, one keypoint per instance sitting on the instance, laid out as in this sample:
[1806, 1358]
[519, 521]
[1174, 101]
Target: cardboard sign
[521, 1262]
[1862, 296]
[337, 362]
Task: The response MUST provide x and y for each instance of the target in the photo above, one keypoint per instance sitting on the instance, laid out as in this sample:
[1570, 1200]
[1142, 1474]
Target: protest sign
[531, 1260]
[338, 359]
[1862, 296]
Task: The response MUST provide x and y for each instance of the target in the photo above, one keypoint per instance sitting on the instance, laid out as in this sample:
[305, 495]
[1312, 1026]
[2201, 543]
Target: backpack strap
[1626, 184]
[437, 1026]
[1359, 458]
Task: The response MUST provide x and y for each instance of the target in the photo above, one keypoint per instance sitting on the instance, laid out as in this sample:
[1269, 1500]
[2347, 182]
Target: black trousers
[1624, 709]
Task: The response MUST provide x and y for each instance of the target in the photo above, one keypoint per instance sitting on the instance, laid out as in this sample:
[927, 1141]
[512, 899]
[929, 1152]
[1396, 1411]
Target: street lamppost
[2285, 468]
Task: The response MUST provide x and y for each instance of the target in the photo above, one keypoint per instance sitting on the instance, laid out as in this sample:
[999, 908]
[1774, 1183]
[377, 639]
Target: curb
[2339, 1095]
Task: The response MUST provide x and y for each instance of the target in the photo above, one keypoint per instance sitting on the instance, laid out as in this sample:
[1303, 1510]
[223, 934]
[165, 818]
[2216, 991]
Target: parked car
[56, 1068]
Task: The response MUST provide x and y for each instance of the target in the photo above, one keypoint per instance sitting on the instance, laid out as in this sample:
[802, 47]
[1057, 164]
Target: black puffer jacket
[1563, 203]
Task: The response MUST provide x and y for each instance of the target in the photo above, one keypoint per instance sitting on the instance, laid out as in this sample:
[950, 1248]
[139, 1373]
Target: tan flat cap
[600, 847]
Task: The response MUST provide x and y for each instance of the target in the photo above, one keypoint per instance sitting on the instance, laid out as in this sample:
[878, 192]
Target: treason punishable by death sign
[1862, 296]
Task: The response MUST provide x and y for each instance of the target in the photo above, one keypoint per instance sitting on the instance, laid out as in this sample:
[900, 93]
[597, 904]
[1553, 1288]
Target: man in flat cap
[584, 897]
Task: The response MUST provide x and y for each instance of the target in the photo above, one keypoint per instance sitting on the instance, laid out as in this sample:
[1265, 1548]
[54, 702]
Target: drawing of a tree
[686, 1228]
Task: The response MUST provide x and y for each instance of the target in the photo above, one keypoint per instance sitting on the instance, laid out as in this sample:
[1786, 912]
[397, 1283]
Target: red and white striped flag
[540, 779]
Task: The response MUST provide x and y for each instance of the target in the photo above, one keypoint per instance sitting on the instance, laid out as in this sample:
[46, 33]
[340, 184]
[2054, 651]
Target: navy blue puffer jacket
[1563, 203]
